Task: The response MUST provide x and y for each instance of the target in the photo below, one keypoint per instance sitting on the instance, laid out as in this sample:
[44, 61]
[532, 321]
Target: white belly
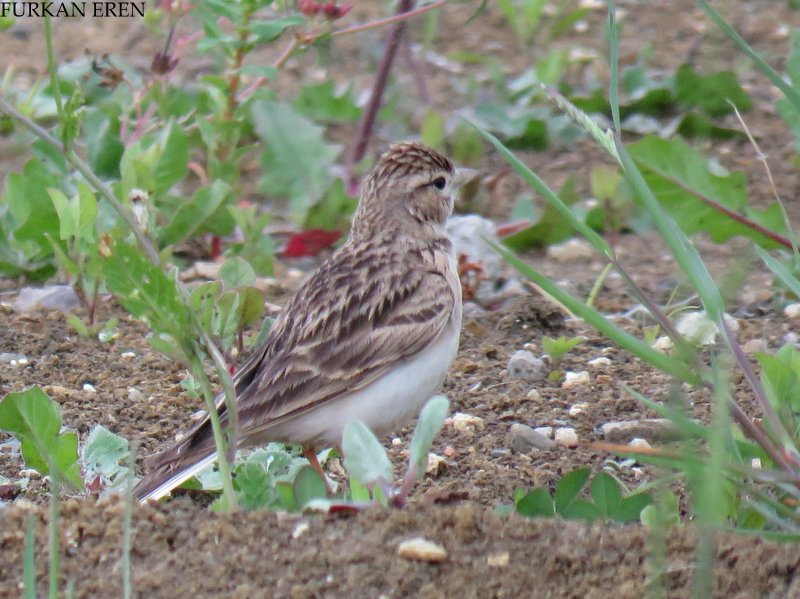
[385, 404]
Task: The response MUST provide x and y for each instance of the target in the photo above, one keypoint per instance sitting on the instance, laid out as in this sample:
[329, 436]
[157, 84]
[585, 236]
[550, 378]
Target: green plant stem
[51, 68]
[29, 560]
[53, 535]
[613, 51]
[216, 428]
[598, 284]
[127, 524]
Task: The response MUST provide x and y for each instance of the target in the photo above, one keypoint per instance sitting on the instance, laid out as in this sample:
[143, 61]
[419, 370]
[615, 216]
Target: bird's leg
[311, 456]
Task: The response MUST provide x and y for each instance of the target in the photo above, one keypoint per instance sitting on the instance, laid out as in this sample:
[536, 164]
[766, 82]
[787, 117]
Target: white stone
[87, 388]
[524, 365]
[792, 310]
[421, 549]
[578, 408]
[135, 395]
[662, 344]
[601, 362]
[466, 422]
[547, 431]
[575, 379]
[566, 437]
[639, 443]
[533, 394]
[128, 355]
[572, 250]
[498, 560]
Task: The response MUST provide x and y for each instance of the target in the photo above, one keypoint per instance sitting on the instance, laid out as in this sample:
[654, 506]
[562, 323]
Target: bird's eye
[439, 183]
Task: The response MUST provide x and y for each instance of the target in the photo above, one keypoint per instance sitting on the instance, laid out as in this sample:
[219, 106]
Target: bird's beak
[462, 176]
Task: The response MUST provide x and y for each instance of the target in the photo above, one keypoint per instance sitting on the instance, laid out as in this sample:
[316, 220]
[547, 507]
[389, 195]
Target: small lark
[369, 336]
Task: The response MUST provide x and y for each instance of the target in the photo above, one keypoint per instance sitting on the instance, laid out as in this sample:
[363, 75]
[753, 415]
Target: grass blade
[601, 323]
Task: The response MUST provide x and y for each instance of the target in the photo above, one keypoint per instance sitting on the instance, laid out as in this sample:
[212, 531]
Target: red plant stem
[417, 70]
[367, 121]
[740, 218]
[400, 16]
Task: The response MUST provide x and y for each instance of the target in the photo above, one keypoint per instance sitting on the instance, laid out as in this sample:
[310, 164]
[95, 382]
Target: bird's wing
[356, 317]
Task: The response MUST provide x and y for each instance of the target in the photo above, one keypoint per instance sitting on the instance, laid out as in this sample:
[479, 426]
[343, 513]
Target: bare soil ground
[180, 549]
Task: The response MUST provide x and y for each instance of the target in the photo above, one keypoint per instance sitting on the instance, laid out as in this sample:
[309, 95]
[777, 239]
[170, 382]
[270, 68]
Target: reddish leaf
[511, 228]
[216, 247]
[310, 243]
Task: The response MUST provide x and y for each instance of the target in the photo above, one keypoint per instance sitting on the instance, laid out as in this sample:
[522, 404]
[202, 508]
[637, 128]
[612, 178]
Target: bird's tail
[170, 471]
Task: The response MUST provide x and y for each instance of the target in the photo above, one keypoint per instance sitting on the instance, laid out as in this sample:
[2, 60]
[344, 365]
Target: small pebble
[639, 443]
[300, 529]
[756, 463]
[498, 560]
[601, 362]
[421, 549]
[578, 408]
[662, 344]
[30, 473]
[127, 355]
[466, 423]
[571, 250]
[135, 395]
[566, 437]
[792, 310]
[533, 394]
[523, 438]
[475, 388]
[396, 441]
[525, 366]
[754, 345]
[88, 388]
[575, 379]
[547, 431]
[436, 465]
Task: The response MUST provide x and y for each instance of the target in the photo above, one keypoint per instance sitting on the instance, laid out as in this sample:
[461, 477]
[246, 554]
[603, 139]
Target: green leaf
[76, 215]
[710, 92]
[225, 321]
[630, 507]
[780, 375]
[265, 31]
[194, 214]
[35, 420]
[104, 454]
[536, 504]
[145, 290]
[606, 494]
[679, 175]
[431, 419]
[173, 160]
[30, 205]
[236, 272]
[552, 227]
[104, 148]
[364, 456]
[251, 306]
[296, 159]
[202, 299]
[568, 488]
[252, 484]
[307, 486]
